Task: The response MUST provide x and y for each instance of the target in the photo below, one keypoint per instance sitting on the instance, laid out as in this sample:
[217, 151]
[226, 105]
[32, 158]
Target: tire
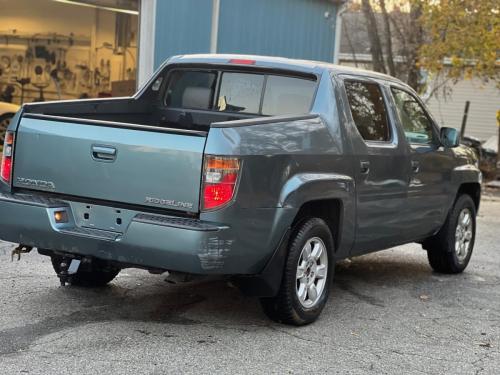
[96, 274]
[287, 307]
[450, 250]
[4, 124]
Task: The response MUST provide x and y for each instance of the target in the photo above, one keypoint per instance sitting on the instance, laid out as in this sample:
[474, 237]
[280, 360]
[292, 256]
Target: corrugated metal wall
[290, 28]
[484, 102]
[182, 26]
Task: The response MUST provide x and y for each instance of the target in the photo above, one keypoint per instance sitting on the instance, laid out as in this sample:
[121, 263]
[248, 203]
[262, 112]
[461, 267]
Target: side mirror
[450, 137]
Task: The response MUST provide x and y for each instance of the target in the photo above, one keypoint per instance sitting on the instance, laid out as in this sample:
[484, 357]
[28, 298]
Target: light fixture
[112, 9]
[61, 216]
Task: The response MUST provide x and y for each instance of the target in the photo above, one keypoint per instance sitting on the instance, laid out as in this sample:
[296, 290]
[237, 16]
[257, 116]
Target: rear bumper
[149, 240]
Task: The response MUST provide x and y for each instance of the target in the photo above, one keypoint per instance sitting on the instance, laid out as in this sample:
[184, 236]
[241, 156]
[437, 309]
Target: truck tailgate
[123, 163]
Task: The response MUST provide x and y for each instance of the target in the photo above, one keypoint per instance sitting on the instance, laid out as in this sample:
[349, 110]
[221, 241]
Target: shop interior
[65, 49]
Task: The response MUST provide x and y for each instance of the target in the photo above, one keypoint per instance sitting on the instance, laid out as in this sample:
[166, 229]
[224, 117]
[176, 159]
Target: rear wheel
[94, 274]
[450, 250]
[307, 276]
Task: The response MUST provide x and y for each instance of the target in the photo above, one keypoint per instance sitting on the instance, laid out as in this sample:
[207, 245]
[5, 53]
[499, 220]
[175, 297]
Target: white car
[7, 111]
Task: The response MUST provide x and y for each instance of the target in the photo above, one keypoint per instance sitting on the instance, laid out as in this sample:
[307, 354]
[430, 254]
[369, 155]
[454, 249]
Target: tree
[409, 34]
[395, 37]
[374, 37]
[388, 39]
[462, 38]
[449, 39]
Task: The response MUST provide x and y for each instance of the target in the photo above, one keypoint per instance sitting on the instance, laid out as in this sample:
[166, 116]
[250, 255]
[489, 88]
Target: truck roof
[307, 66]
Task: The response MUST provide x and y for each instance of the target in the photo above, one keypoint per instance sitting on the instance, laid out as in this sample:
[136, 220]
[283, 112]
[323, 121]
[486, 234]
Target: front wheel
[450, 250]
[95, 274]
[307, 276]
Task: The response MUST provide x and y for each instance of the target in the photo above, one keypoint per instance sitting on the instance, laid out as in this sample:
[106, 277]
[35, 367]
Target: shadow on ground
[136, 296]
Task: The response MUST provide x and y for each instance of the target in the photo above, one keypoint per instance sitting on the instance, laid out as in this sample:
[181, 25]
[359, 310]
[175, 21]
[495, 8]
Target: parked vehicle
[264, 170]
[487, 156]
[7, 111]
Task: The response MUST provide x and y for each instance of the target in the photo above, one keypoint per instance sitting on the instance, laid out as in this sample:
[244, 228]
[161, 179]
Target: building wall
[39, 16]
[484, 103]
[290, 28]
[181, 27]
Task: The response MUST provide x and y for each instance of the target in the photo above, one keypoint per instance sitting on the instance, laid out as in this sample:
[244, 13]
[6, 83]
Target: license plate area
[101, 217]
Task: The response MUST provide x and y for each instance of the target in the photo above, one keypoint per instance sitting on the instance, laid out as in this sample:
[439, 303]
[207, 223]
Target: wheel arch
[329, 210]
[473, 189]
[328, 196]
[467, 179]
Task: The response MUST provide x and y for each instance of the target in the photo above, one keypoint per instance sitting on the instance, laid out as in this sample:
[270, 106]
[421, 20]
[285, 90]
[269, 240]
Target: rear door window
[368, 110]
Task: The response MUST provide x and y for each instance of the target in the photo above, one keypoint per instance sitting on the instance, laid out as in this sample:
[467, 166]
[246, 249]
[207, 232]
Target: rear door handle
[415, 166]
[103, 153]
[364, 167]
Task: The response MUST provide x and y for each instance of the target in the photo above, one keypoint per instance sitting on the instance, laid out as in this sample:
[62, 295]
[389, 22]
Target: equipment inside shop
[64, 49]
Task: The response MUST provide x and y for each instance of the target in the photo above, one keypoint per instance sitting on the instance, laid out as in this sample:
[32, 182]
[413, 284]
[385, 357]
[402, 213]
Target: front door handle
[415, 166]
[364, 167]
[103, 153]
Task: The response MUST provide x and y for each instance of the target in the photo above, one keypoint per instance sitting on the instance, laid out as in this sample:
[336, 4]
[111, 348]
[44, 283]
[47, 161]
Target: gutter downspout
[338, 31]
[214, 32]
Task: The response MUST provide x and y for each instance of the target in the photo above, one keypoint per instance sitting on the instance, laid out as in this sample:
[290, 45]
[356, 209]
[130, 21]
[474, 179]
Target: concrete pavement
[387, 313]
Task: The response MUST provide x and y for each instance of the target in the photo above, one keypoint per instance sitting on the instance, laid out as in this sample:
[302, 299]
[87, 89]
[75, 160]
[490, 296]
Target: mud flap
[268, 282]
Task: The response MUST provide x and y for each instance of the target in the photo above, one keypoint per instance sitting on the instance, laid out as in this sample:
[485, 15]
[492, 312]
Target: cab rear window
[240, 92]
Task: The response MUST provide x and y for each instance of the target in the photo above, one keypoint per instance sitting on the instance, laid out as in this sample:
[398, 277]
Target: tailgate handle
[103, 153]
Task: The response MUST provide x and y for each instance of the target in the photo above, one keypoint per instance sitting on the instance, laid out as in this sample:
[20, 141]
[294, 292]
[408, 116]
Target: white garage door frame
[146, 50]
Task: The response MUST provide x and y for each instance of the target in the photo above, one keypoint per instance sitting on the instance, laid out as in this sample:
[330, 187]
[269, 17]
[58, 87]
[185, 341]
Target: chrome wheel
[312, 269]
[463, 234]
[4, 124]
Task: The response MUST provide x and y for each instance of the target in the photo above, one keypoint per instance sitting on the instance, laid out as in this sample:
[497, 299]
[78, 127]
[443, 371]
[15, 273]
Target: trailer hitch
[63, 273]
[67, 268]
[21, 249]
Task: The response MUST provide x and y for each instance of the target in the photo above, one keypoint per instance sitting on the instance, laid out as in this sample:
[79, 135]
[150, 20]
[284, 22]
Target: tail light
[6, 166]
[219, 180]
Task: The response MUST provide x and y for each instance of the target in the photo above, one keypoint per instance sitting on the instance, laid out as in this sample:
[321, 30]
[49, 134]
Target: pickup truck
[264, 171]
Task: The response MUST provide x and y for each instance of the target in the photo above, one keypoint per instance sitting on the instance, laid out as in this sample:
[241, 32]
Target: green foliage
[462, 36]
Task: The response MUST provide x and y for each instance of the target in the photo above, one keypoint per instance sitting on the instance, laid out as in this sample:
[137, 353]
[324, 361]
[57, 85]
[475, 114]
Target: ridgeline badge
[169, 202]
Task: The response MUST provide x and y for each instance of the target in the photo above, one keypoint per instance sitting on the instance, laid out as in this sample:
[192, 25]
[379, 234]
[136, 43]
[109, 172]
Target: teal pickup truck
[262, 170]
